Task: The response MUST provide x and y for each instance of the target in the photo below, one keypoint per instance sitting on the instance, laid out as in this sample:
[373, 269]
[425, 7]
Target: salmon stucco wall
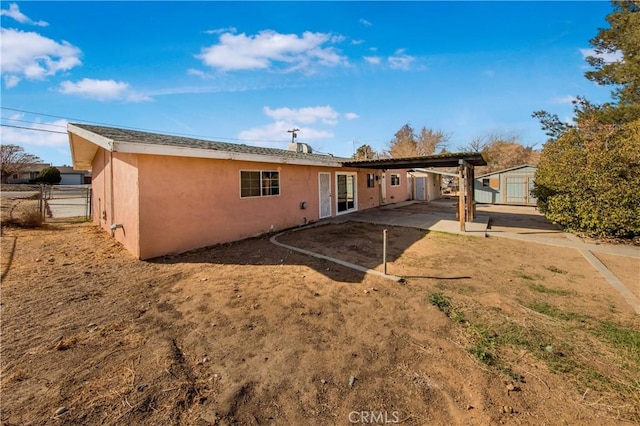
[397, 194]
[187, 203]
[125, 197]
[368, 197]
[168, 204]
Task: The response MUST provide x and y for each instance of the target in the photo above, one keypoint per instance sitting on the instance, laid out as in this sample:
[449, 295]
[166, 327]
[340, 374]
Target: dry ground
[483, 331]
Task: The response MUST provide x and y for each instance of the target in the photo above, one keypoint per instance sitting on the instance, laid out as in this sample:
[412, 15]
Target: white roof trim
[101, 141]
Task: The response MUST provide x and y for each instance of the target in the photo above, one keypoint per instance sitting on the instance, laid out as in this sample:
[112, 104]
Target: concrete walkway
[512, 222]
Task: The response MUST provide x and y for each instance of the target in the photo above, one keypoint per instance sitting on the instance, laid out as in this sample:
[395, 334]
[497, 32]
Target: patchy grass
[561, 345]
[553, 312]
[443, 303]
[527, 275]
[484, 346]
[524, 276]
[555, 270]
[626, 340]
[544, 289]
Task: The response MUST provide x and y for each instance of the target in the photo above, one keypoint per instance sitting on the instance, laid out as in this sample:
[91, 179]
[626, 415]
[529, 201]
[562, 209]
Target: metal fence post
[384, 250]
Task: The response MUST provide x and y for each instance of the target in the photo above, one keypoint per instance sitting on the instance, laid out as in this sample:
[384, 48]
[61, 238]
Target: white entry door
[324, 185]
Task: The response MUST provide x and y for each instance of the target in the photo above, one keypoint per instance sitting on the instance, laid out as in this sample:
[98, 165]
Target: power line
[137, 128]
[32, 128]
[34, 122]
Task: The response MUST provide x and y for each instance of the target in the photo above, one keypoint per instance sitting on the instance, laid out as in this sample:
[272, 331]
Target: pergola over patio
[464, 161]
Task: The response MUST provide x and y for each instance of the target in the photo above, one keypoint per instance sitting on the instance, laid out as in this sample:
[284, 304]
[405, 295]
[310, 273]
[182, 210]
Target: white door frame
[320, 196]
[383, 188]
[355, 192]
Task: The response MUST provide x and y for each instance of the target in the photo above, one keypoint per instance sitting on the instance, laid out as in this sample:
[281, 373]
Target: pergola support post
[466, 211]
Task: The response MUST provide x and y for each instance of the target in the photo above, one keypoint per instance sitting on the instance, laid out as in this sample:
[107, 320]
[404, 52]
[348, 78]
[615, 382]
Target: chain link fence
[32, 205]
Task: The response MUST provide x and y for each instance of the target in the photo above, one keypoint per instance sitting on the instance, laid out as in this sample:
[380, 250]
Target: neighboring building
[161, 194]
[28, 173]
[70, 176]
[510, 186]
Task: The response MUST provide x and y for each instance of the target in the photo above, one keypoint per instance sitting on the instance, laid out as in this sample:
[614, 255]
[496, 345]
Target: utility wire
[31, 128]
[35, 122]
[139, 129]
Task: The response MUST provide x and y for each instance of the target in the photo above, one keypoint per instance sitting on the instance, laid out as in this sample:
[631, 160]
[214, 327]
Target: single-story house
[70, 176]
[159, 194]
[162, 194]
[509, 186]
[28, 173]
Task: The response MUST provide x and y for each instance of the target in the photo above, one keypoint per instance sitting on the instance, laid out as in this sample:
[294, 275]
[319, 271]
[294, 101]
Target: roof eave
[506, 170]
[84, 145]
[179, 151]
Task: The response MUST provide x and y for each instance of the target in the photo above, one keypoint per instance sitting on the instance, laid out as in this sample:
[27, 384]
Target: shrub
[588, 179]
[27, 215]
[50, 175]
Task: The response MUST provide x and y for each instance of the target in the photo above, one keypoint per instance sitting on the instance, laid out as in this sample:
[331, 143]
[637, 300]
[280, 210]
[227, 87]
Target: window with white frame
[259, 183]
[395, 180]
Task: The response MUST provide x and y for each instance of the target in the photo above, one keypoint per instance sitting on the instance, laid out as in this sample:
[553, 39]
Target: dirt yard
[483, 331]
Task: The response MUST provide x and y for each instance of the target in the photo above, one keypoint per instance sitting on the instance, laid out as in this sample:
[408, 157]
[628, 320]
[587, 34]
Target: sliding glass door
[346, 185]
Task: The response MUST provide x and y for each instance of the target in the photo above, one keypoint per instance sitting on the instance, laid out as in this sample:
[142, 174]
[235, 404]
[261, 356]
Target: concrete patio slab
[437, 215]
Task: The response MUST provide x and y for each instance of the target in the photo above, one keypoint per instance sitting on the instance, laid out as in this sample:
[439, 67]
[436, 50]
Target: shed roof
[505, 170]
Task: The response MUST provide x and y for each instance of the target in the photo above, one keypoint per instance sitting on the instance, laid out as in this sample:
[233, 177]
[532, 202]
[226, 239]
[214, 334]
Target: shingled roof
[85, 140]
[134, 141]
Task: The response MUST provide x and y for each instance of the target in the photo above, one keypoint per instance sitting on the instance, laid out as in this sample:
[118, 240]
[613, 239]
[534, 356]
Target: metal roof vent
[300, 147]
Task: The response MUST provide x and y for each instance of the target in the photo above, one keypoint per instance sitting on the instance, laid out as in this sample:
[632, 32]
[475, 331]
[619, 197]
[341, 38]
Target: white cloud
[400, 61]
[271, 49]
[365, 22]
[55, 134]
[14, 12]
[307, 115]
[288, 118]
[277, 131]
[569, 100]
[11, 81]
[32, 56]
[357, 42]
[222, 30]
[373, 60]
[102, 90]
[198, 73]
[607, 57]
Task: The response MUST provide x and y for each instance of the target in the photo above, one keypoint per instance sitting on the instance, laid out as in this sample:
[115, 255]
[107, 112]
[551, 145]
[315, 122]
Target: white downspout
[114, 225]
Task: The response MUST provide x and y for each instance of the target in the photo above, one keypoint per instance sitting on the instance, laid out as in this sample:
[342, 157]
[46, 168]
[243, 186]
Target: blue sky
[344, 73]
